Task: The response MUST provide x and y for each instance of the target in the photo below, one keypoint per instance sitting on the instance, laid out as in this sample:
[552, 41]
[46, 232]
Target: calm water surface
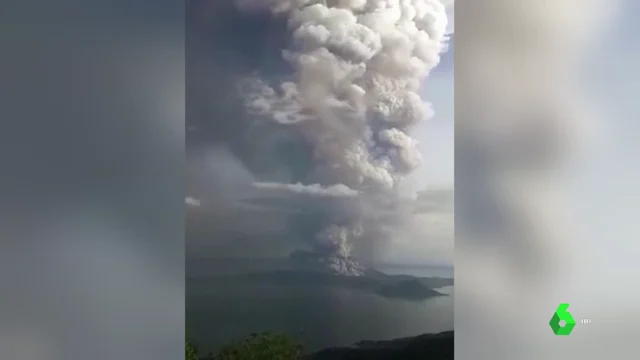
[319, 318]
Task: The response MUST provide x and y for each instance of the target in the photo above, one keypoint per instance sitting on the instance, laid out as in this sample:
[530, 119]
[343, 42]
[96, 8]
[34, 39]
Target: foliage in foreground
[265, 346]
[191, 351]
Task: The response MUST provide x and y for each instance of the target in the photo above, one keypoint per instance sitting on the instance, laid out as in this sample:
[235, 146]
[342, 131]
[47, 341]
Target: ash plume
[353, 97]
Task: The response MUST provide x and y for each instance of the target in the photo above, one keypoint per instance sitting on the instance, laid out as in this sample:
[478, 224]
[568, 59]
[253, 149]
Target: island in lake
[373, 281]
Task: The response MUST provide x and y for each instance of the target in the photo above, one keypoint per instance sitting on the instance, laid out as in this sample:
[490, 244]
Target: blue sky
[436, 135]
[432, 234]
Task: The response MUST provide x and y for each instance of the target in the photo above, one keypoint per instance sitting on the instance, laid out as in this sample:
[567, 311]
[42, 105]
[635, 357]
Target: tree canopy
[264, 346]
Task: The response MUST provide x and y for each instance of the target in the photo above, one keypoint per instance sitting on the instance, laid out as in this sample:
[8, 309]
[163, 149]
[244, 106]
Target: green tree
[191, 350]
[265, 346]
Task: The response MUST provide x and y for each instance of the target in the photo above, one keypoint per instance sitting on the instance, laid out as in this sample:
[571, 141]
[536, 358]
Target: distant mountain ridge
[438, 346]
[373, 281]
[197, 267]
[298, 271]
[432, 265]
[422, 347]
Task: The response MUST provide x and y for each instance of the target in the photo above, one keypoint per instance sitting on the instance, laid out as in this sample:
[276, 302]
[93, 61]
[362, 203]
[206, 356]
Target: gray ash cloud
[317, 98]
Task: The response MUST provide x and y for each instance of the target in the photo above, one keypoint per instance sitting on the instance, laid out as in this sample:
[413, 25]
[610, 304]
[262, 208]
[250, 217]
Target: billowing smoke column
[358, 67]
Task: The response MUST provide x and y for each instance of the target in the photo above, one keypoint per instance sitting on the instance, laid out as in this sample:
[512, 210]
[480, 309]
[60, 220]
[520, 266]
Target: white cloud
[428, 236]
[314, 190]
[189, 201]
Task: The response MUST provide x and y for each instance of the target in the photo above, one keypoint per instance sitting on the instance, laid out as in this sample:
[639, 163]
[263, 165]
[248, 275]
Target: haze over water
[318, 317]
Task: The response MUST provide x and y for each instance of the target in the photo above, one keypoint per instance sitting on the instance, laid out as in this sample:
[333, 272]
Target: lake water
[319, 318]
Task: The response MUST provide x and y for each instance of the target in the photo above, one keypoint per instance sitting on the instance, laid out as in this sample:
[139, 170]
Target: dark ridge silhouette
[423, 347]
[392, 286]
[438, 346]
[408, 289]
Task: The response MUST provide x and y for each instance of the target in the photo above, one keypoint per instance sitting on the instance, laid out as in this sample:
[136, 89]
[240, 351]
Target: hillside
[427, 346]
[391, 286]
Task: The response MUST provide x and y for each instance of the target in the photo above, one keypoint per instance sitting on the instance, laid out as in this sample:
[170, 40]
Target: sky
[433, 239]
[436, 135]
[605, 188]
[430, 236]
